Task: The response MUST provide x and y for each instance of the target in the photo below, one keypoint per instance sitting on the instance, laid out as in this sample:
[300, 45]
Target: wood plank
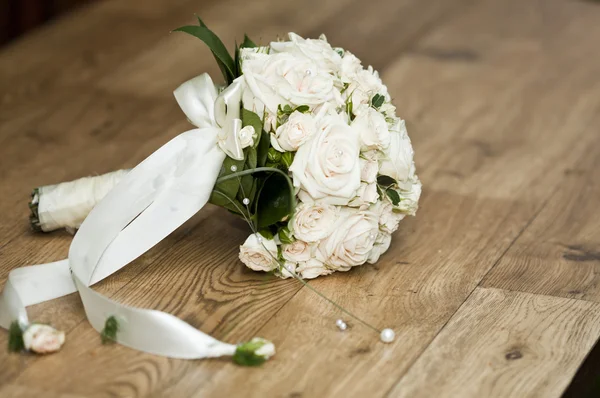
[559, 254]
[505, 344]
[486, 175]
[481, 98]
[223, 306]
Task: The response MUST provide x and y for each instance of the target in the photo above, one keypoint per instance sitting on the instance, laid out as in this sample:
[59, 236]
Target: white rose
[318, 51]
[293, 133]
[367, 193]
[373, 129]
[364, 86]
[327, 167]
[312, 222]
[259, 256]
[397, 161]
[368, 170]
[282, 78]
[43, 339]
[409, 192]
[349, 67]
[388, 218]
[312, 268]
[382, 244]
[247, 136]
[296, 251]
[351, 240]
[287, 271]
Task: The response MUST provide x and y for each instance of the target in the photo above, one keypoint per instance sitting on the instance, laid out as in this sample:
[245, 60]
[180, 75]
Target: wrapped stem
[66, 205]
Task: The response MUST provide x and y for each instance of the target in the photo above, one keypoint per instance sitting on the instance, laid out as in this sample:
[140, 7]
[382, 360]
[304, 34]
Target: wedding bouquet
[301, 141]
[316, 114]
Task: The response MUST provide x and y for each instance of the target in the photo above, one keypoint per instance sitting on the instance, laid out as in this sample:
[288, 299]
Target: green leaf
[220, 199]
[247, 43]
[111, 328]
[385, 181]
[251, 158]
[285, 236]
[266, 233]
[15, 338]
[349, 109]
[216, 46]
[263, 148]
[287, 158]
[302, 109]
[236, 60]
[394, 196]
[200, 21]
[273, 155]
[228, 187]
[377, 101]
[275, 201]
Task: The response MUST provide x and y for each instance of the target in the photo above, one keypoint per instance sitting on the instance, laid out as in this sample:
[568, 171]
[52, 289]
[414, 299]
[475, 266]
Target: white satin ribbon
[150, 202]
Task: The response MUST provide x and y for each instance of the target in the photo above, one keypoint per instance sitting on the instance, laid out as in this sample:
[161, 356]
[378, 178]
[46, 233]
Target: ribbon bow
[205, 109]
[150, 202]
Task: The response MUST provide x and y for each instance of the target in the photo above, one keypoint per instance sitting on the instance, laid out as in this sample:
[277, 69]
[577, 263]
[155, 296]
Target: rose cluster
[333, 128]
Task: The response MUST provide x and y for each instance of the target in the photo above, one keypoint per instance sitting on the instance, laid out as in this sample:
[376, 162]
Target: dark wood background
[20, 16]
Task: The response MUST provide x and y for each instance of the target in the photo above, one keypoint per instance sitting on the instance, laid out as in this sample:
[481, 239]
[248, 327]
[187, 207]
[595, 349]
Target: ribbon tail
[150, 202]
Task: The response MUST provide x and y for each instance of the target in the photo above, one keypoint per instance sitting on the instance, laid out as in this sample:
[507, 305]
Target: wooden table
[493, 288]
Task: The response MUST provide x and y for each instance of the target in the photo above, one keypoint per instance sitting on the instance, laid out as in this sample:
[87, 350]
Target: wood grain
[486, 174]
[500, 98]
[121, 135]
[505, 344]
[559, 254]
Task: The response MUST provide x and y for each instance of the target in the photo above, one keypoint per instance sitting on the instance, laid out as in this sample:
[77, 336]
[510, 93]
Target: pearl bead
[340, 152]
[234, 168]
[341, 324]
[387, 335]
[259, 239]
[246, 201]
[308, 72]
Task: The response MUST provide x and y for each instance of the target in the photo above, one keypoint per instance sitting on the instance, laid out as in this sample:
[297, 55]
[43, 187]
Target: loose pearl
[246, 201]
[387, 335]
[234, 168]
[341, 324]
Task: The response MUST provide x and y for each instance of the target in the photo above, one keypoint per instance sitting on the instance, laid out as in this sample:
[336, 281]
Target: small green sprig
[283, 113]
[386, 184]
[15, 338]
[377, 101]
[111, 328]
[229, 66]
[285, 235]
[251, 353]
